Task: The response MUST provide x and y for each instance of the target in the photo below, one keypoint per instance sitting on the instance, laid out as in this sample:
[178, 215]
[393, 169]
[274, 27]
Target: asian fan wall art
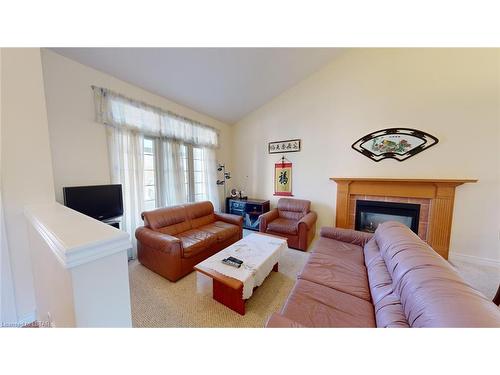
[394, 143]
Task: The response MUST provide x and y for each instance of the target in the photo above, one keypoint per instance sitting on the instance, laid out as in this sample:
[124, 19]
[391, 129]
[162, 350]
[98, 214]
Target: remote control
[235, 260]
[230, 263]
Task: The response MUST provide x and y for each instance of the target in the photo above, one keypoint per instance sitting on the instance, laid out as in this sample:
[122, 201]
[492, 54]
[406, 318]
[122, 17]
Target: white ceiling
[224, 83]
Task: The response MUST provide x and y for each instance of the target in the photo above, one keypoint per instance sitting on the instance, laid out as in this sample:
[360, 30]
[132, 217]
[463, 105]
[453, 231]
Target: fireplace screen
[369, 214]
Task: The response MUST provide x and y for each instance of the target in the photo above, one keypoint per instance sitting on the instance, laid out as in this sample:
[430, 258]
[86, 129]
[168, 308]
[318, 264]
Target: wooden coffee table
[229, 290]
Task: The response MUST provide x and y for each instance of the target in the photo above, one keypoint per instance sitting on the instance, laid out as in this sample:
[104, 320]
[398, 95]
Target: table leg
[232, 298]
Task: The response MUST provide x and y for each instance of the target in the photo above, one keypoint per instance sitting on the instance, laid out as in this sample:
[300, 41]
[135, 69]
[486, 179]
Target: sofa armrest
[158, 240]
[309, 220]
[346, 235]
[266, 218]
[229, 218]
[279, 321]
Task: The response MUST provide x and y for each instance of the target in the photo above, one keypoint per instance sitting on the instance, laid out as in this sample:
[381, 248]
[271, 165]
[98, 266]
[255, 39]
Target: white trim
[475, 260]
[97, 239]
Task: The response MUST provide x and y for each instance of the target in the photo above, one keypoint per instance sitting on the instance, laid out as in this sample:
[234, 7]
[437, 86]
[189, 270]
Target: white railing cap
[75, 238]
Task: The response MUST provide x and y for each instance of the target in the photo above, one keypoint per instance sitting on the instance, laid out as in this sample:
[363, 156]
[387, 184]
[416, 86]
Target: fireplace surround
[369, 214]
[438, 193]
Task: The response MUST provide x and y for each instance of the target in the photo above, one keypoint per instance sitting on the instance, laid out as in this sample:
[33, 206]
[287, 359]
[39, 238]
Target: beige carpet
[484, 278]
[157, 302]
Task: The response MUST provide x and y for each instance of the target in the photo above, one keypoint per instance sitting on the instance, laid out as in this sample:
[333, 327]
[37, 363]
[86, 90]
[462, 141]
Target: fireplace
[435, 197]
[369, 214]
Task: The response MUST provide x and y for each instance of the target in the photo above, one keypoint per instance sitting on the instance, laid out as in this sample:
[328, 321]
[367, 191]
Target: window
[150, 190]
[193, 165]
[199, 188]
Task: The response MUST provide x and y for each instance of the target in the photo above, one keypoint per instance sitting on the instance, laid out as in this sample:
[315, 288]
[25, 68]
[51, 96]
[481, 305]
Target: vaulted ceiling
[224, 83]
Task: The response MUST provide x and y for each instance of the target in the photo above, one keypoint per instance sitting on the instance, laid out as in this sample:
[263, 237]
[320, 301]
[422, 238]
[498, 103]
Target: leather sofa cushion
[334, 272]
[315, 305]
[163, 218]
[281, 225]
[388, 308]
[195, 241]
[223, 231]
[203, 220]
[200, 214]
[432, 293]
[342, 250]
[389, 312]
[175, 229]
[293, 209]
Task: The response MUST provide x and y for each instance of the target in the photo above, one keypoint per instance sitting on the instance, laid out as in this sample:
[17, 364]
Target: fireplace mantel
[441, 192]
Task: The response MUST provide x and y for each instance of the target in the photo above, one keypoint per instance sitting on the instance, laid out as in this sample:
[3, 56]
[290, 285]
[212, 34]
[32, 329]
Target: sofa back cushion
[430, 290]
[200, 213]
[294, 209]
[169, 220]
[387, 304]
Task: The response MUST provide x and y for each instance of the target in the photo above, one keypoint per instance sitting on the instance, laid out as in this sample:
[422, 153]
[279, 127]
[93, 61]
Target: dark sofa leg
[496, 300]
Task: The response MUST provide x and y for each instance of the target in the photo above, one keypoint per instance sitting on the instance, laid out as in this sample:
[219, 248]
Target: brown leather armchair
[292, 219]
[174, 239]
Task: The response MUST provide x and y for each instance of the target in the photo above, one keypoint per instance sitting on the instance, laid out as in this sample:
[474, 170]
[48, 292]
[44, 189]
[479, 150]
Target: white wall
[79, 149]
[26, 173]
[449, 93]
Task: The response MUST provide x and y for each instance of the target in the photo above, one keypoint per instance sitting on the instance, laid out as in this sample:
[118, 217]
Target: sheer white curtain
[128, 122]
[172, 168]
[126, 156]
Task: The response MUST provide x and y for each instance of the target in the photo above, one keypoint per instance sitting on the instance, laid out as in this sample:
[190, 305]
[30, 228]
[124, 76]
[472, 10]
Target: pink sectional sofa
[389, 279]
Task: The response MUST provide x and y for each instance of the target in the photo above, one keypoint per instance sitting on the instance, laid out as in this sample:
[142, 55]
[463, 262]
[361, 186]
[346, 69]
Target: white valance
[116, 110]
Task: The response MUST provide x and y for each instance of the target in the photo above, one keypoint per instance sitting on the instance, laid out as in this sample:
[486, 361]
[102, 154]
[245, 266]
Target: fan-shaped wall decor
[394, 143]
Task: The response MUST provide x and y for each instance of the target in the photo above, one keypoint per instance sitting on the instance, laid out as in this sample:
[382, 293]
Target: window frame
[154, 154]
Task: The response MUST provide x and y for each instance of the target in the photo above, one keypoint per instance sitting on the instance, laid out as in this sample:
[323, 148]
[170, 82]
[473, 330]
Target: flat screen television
[99, 201]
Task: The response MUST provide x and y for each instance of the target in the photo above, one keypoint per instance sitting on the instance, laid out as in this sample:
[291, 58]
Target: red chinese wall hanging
[283, 177]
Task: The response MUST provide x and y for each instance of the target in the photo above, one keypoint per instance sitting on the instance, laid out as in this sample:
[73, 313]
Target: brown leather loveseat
[292, 219]
[174, 239]
[389, 279]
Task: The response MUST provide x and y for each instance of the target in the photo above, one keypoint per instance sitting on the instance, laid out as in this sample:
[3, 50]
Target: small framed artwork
[394, 143]
[283, 179]
[279, 147]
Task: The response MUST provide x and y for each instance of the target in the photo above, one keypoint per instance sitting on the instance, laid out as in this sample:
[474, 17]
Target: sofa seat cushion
[334, 272]
[195, 241]
[315, 305]
[342, 250]
[223, 231]
[281, 225]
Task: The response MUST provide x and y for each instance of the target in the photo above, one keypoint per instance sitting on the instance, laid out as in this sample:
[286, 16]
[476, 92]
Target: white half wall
[26, 169]
[452, 94]
[78, 143]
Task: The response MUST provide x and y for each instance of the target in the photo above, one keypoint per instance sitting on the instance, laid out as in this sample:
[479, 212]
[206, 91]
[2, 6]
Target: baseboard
[27, 318]
[475, 260]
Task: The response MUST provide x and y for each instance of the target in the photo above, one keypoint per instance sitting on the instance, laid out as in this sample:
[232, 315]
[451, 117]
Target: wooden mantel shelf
[458, 181]
[440, 192]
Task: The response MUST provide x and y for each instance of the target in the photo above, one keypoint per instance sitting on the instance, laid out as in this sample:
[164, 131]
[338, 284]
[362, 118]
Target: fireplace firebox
[369, 214]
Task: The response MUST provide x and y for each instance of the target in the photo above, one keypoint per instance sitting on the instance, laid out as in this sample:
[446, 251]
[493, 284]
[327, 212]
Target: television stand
[115, 222]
